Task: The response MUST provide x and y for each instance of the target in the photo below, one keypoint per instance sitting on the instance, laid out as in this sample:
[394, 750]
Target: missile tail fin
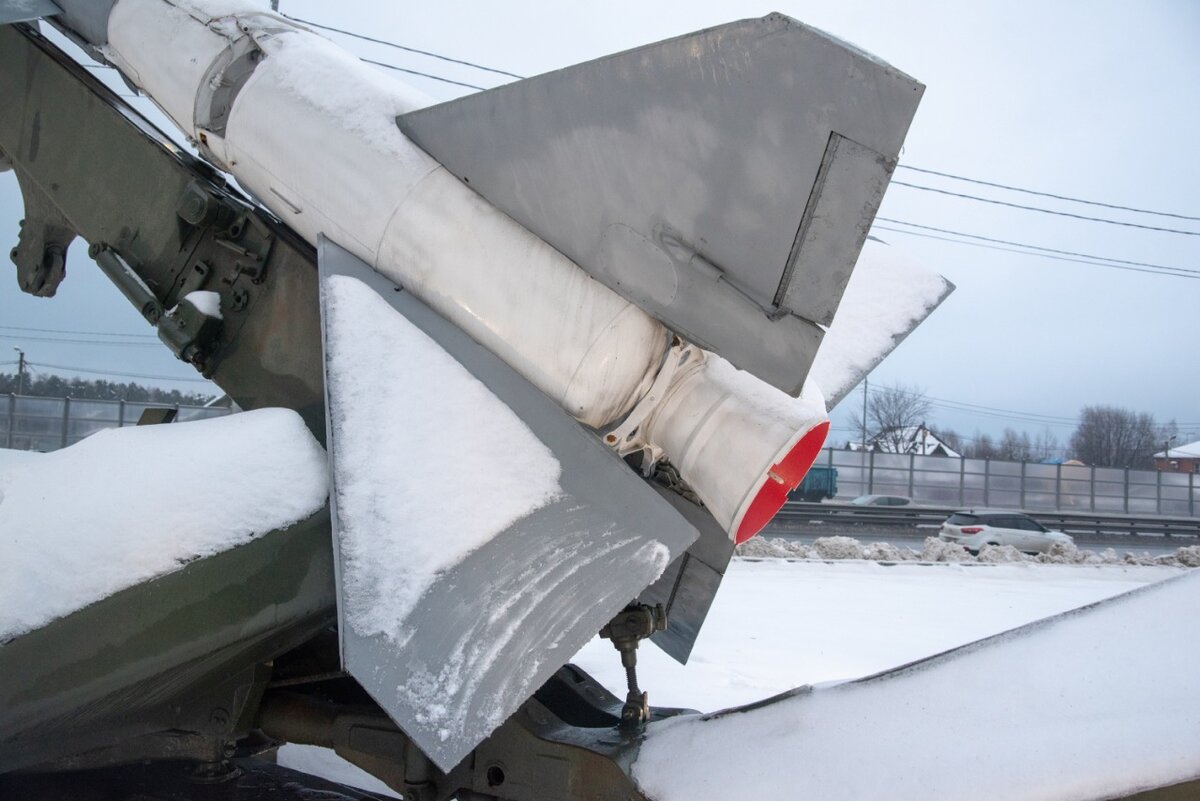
[724, 181]
[482, 535]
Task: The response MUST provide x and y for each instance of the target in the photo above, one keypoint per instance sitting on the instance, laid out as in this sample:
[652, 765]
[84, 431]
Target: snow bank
[936, 550]
[428, 463]
[128, 504]
[1093, 704]
[10, 462]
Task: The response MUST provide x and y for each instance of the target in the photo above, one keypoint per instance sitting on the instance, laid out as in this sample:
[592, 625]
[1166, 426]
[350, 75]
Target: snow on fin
[483, 536]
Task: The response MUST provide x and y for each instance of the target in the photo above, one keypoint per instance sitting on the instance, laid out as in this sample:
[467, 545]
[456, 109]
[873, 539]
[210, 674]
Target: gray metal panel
[26, 10]
[688, 587]
[835, 395]
[836, 220]
[679, 174]
[562, 572]
[87, 18]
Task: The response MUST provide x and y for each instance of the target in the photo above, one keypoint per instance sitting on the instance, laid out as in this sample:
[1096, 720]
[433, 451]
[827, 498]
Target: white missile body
[312, 134]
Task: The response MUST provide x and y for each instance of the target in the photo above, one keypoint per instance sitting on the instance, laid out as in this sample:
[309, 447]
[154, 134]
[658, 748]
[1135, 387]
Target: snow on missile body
[311, 131]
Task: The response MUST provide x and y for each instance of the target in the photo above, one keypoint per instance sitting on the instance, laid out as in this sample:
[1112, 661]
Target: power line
[998, 412]
[924, 170]
[923, 396]
[116, 373]
[1041, 255]
[80, 333]
[1039, 247]
[1033, 417]
[1044, 211]
[422, 74]
[386, 43]
[65, 341]
[1045, 194]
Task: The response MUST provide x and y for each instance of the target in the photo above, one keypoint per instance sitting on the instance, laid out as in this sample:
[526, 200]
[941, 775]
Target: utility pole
[20, 371]
[864, 417]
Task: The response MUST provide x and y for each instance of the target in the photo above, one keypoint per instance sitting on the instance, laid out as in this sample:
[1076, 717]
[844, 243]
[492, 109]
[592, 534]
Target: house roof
[917, 439]
[1188, 451]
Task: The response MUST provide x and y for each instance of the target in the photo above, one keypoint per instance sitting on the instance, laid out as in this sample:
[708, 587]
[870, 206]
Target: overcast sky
[1093, 100]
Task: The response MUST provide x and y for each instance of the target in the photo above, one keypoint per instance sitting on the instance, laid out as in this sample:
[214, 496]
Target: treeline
[1011, 446]
[54, 386]
[1106, 436]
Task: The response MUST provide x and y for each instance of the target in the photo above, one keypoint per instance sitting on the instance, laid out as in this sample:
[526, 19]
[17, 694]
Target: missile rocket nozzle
[783, 477]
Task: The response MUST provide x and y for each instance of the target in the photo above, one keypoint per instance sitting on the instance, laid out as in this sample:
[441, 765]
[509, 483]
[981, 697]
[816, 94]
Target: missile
[311, 131]
[629, 262]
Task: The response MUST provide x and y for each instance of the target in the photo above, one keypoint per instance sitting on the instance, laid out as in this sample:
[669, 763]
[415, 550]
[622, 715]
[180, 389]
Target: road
[913, 537]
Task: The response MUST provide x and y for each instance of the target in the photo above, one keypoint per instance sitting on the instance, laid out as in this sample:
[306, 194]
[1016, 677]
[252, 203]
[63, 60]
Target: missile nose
[783, 477]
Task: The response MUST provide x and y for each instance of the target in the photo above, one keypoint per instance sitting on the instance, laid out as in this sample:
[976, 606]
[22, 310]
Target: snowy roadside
[935, 550]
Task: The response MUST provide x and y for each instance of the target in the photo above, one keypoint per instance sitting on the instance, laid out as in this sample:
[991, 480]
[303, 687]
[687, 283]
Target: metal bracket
[634, 624]
[563, 743]
[41, 251]
[232, 241]
[629, 437]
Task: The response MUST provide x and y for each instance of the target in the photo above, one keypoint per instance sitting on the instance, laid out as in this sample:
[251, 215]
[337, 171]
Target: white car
[881, 500]
[975, 529]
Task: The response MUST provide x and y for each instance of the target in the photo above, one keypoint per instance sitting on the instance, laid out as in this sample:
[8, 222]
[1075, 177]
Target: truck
[819, 484]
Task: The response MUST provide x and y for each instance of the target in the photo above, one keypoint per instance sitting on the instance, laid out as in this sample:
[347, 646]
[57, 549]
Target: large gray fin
[495, 625]
[689, 586]
[724, 180]
[13, 11]
[884, 302]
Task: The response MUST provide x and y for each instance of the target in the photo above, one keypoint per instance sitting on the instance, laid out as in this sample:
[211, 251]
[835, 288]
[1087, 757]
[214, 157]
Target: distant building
[917, 440]
[1184, 459]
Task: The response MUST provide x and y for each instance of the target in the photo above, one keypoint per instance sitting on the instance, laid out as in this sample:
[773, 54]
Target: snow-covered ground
[779, 624]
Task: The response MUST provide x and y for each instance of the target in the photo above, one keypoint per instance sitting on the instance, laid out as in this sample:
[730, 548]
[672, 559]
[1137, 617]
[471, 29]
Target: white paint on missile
[129, 504]
[312, 134]
[886, 298]
[428, 463]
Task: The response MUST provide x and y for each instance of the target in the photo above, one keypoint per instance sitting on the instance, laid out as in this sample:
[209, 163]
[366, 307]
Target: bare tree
[1109, 436]
[982, 447]
[1014, 447]
[1046, 446]
[891, 414]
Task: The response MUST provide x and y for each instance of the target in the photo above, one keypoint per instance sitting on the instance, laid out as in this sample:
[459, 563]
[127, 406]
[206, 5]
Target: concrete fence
[46, 424]
[1013, 485]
